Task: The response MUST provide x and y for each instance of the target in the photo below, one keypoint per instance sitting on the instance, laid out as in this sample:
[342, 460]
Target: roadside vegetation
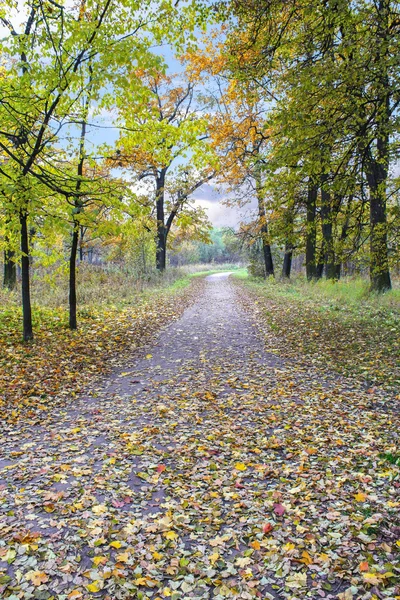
[338, 325]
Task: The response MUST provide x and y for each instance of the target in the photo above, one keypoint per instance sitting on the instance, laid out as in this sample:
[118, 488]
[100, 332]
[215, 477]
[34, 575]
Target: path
[207, 469]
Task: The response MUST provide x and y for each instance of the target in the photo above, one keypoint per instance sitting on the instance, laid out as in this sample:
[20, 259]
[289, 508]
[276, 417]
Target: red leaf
[118, 503]
[161, 468]
[279, 509]
[267, 527]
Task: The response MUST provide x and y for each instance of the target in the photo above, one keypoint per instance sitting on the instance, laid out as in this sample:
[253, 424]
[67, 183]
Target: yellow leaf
[123, 557]
[37, 577]
[306, 558]
[99, 509]
[360, 497]
[170, 535]
[214, 557]
[116, 544]
[240, 466]
[157, 555]
[99, 560]
[289, 547]
[324, 557]
[149, 356]
[255, 545]
[75, 594]
[166, 592]
[96, 586]
[371, 578]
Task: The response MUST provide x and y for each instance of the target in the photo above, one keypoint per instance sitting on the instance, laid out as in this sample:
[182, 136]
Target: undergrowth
[340, 325]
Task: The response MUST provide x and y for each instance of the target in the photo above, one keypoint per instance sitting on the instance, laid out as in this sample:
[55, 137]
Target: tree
[331, 69]
[163, 141]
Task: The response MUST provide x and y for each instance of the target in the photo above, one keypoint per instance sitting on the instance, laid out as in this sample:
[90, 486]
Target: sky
[221, 215]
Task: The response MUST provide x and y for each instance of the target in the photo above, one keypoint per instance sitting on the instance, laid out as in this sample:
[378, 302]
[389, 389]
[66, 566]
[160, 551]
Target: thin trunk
[72, 277]
[161, 241]
[78, 208]
[264, 234]
[287, 261]
[319, 268]
[327, 233]
[25, 275]
[377, 166]
[81, 236]
[343, 237]
[311, 236]
[10, 270]
[379, 263]
[268, 261]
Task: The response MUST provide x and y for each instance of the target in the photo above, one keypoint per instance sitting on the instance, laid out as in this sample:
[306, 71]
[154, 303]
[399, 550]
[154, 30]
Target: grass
[338, 325]
[219, 268]
[241, 273]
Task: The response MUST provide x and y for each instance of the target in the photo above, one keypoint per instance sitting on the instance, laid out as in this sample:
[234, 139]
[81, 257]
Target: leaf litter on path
[210, 469]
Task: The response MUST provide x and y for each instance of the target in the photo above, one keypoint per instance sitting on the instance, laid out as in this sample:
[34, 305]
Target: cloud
[209, 193]
[221, 215]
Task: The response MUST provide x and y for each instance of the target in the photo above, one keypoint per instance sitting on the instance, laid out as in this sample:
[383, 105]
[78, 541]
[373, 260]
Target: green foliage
[221, 247]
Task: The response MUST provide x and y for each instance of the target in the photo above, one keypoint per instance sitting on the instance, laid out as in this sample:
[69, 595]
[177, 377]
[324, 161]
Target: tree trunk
[25, 275]
[287, 262]
[161, 241]
[81, 237]
[10, 270]
[319, 268]
[377, 165]
[327, 234]
[376, 172]
[161, 251]
[268, 261]
[73, 324]
[342, 239]
[379, 263]
[78, 208]
[311, 236]
[267, 254]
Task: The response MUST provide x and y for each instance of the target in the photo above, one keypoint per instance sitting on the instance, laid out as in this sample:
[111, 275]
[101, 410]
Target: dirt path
[207, 469]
